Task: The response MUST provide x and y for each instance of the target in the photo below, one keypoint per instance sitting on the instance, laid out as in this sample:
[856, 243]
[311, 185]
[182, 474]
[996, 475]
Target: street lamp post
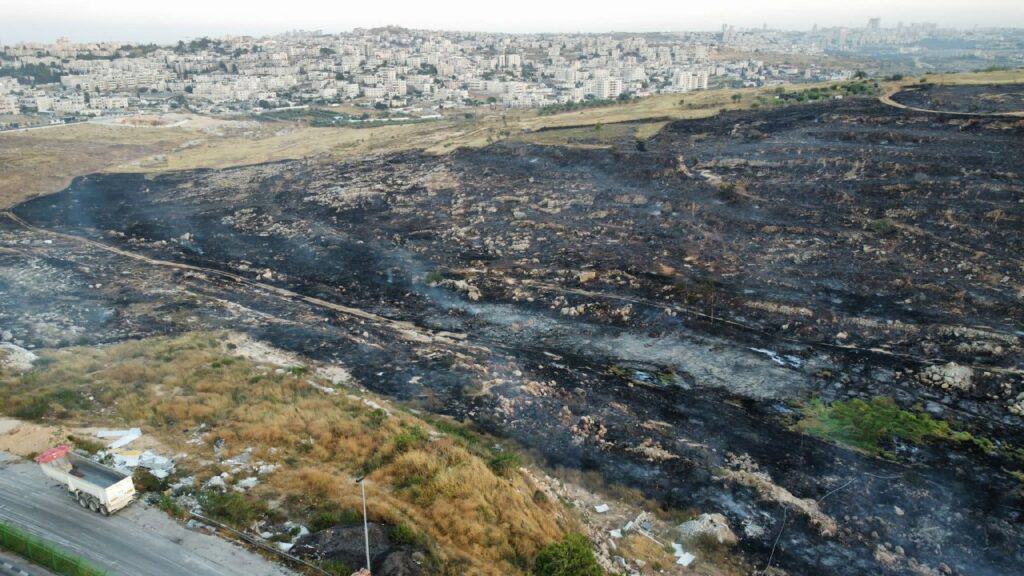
[366, 526]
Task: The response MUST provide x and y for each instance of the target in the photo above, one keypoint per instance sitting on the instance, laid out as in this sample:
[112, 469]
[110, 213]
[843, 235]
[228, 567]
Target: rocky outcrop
[713, 526]
[951, 376]
[345, 544]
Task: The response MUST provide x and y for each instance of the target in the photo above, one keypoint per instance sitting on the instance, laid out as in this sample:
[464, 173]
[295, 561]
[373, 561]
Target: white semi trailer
[95, 486]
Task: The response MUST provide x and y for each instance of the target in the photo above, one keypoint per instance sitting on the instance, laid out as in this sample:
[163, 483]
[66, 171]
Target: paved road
[135, 541]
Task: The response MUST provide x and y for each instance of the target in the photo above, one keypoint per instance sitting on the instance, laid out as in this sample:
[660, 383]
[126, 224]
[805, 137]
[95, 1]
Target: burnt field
[984, 98]
[663, 311]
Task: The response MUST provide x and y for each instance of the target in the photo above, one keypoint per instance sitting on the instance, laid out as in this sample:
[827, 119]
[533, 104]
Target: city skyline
[119, 20]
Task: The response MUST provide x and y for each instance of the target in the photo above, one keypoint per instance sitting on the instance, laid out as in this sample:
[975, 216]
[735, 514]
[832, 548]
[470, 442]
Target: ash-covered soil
[657, 311]
[982, 98]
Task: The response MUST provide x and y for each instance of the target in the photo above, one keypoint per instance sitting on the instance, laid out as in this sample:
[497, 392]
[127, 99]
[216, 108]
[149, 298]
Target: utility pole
[366, 526]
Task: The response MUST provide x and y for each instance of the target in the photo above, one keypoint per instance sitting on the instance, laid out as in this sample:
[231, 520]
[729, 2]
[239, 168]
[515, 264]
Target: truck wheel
[104, 511]
[82, 502]
[94, 505]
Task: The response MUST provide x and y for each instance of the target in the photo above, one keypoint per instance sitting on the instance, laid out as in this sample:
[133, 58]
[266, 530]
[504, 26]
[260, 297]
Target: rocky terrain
[667, 312]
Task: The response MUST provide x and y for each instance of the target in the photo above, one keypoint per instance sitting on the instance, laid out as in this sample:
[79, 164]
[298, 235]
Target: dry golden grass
[638, 547]
[291, 141]
[438, 482]
[992, 77]
[38, 162]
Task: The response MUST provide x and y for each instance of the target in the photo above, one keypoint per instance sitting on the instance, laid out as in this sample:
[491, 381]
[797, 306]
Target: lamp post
[366, 526]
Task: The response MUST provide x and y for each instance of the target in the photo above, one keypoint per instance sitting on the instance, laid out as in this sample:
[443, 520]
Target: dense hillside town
[424, 72]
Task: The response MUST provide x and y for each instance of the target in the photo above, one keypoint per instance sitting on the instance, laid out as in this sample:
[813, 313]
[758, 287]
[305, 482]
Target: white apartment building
[606, 88]
[8, 105]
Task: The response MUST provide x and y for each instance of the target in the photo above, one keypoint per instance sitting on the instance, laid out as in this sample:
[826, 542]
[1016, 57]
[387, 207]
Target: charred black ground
[657, 311]
[983, 98]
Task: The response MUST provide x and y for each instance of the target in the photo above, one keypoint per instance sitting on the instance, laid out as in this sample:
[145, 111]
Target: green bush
[570, 557]
[231, 508]
[88, 444]
[504, 463]
[410, 438]
[328, 518]
[146, 482]
[170, 506]
[404, 534]
[869, 425]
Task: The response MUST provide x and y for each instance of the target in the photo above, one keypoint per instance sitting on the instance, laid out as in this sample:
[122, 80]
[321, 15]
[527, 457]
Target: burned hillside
[973, 99]
[680, 314]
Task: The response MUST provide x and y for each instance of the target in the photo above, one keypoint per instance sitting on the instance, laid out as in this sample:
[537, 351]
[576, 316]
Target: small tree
[570, 557]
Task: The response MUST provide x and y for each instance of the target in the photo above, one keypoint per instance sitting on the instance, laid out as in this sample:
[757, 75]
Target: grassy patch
[871, 425]
[171, 507]
[570, 557]
[232, 508]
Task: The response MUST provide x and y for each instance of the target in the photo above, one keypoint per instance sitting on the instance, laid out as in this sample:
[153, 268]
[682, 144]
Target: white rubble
[713, 525]
[948, 376]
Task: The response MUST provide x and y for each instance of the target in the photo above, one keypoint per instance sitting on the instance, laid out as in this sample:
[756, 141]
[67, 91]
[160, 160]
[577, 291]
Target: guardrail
[262, 545]
[45, 554]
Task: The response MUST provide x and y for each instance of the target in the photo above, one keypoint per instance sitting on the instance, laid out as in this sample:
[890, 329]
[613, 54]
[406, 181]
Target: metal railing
[45, 554]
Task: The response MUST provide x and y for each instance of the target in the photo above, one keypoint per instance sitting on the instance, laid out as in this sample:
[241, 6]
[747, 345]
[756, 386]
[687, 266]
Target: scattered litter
[123, 437]
[113, 433]
[184, 483]
[616, 533]
[780, 359]
[683, 558]
[601, 508]
[686, 559]
[155, 462]
[125, 458]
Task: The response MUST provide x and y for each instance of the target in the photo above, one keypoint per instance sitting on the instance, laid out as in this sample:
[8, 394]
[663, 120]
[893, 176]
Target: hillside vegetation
[460, 493]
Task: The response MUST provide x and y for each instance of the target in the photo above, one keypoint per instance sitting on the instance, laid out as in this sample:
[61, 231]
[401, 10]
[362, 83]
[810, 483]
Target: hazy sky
[169, 20]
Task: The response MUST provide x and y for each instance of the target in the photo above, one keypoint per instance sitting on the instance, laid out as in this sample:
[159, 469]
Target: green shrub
[88, 444]
[883, 226]
[868, 425]
[328, 518]
[570, 557]
[169, 505]
[404, 534]
[231, 508]
[146, 482]
[504, 463]
[376, 418]
[412, 437]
